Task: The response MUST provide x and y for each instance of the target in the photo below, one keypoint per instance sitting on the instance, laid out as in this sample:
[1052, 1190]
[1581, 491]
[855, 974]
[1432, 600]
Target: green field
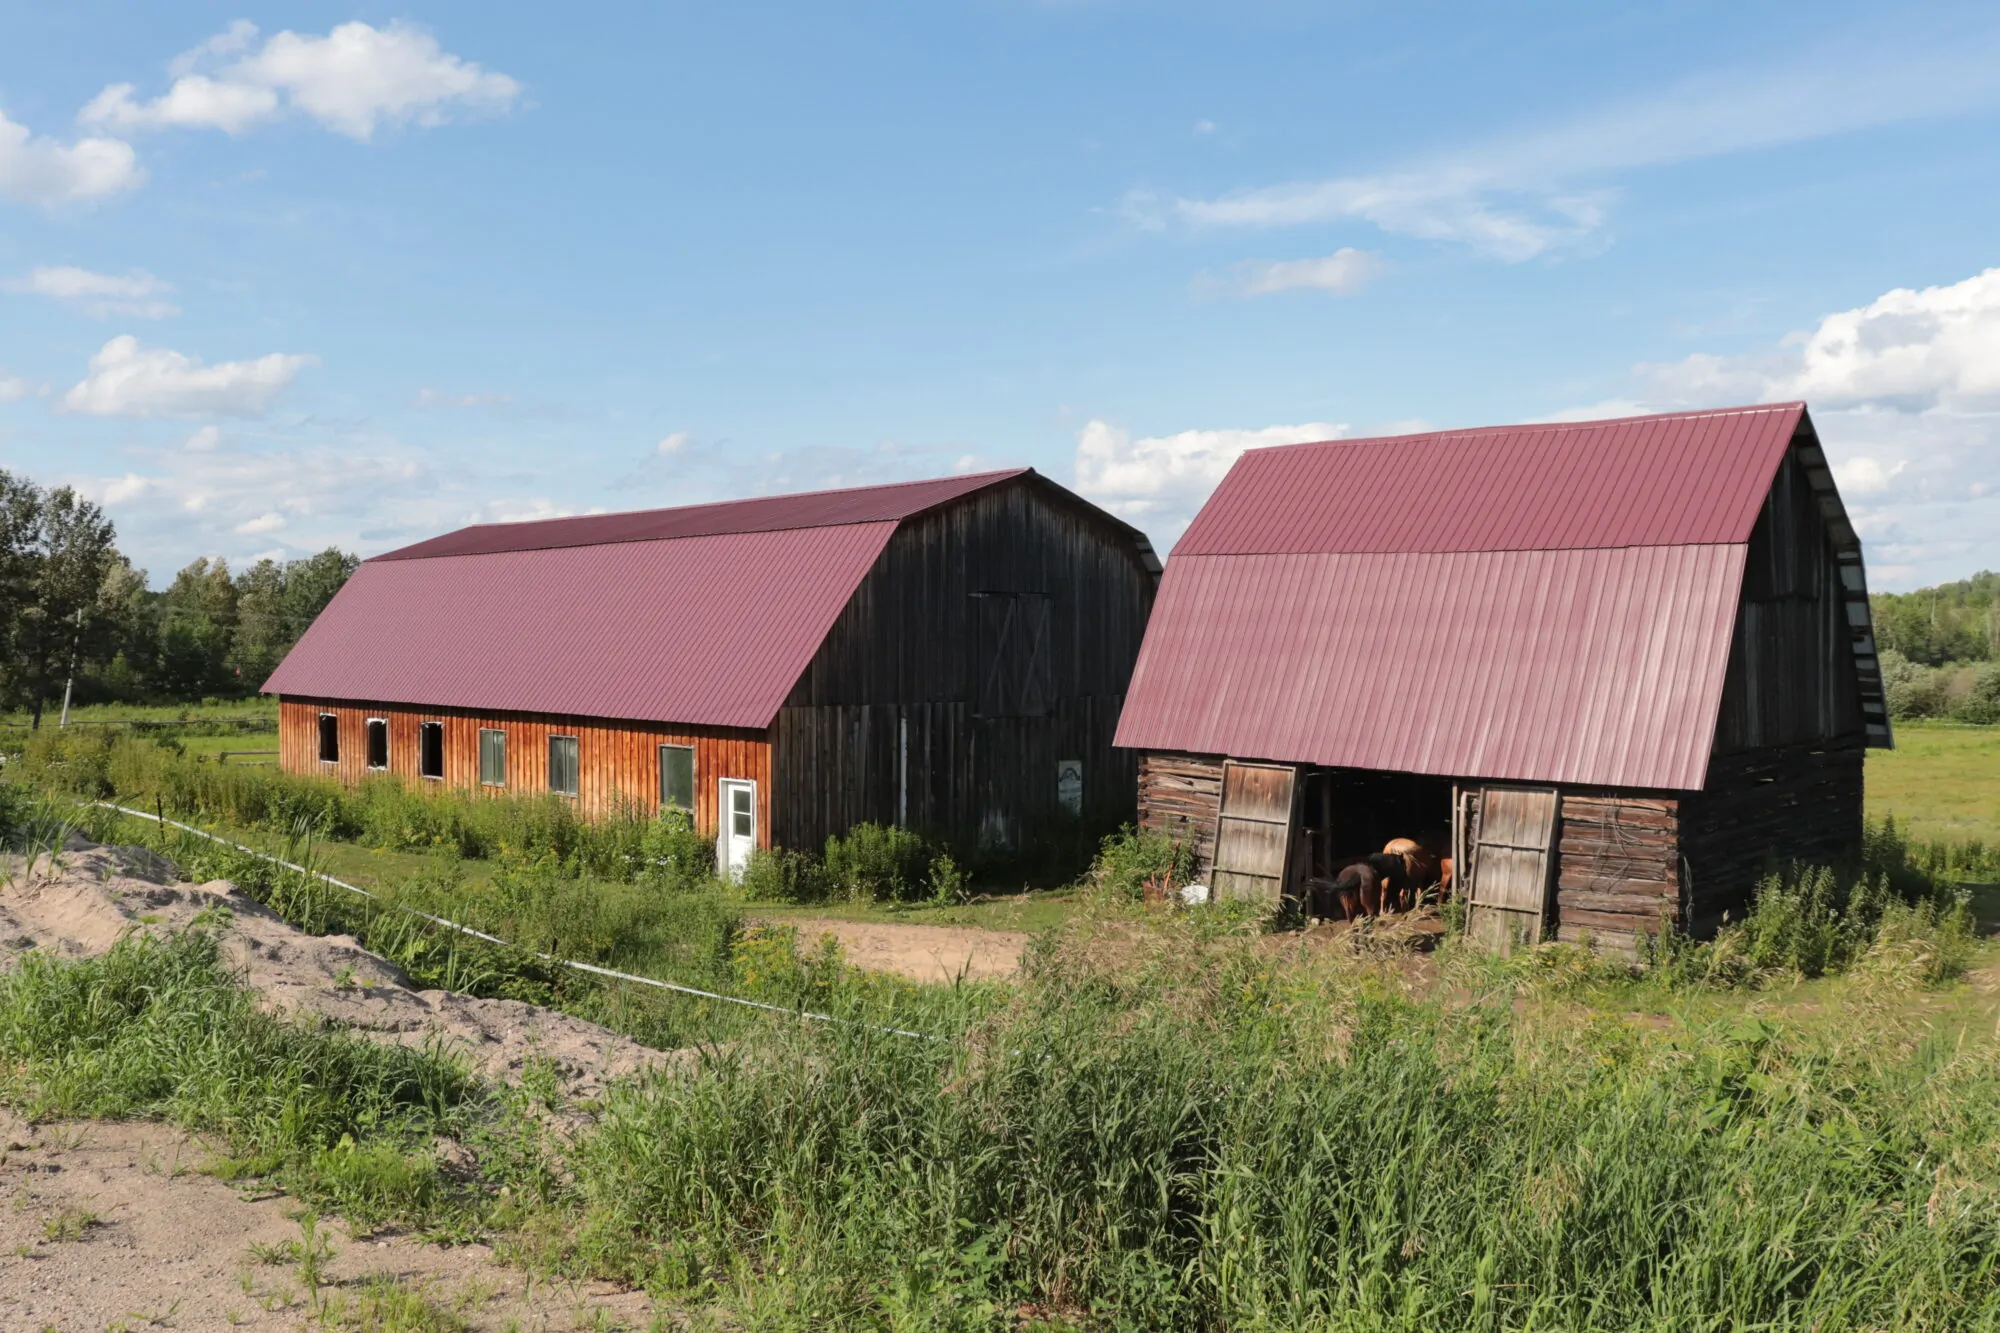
[1941, 781]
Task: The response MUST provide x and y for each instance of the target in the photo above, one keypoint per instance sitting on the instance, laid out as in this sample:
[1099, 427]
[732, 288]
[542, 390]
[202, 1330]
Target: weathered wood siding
[618, 762]
[993, 639]
[1618, 867]
[1180, 795]
[1798, 802]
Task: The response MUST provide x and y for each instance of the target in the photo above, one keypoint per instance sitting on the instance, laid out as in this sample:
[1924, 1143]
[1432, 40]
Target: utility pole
[69, 681]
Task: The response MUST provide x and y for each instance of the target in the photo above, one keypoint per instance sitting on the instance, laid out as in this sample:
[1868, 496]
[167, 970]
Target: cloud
[136, 294]
[203, 440]
[1159, 481]
[672, 444]
[1905, 393]
[268, 521]
[42, 171]
[1344, 271]
[13, 386]
[353, 81]
[1204, 127]
[129, 380]
[1537, 190]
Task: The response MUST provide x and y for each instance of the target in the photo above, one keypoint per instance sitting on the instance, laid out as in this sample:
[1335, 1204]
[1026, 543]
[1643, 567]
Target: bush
[1981, 701]
[1130, 859]
[879, 863]
[780, 876]
[673, 855]
[1913, 690]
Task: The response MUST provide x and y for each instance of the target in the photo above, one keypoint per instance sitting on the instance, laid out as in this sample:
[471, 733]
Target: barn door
[1513, 858]
[1253, 832]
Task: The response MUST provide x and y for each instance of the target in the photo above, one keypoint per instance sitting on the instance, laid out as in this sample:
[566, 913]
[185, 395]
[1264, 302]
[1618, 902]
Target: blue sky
[276, 278]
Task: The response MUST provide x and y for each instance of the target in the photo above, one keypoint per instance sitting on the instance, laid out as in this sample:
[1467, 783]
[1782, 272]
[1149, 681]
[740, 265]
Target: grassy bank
[1941, 781]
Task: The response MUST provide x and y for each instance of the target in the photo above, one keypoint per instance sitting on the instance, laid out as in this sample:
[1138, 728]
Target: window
[562, 765]
[492, 757]
[378, 742]
[677, 777]
[329, 738]
[430, 749]
[742, 810]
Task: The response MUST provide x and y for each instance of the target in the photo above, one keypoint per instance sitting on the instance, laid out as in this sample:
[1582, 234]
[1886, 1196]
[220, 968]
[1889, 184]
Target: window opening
[562, 765]
[742, 811]
[492, 757]
[329, 738]
[677, 777]
[430, 750]
[378, 742]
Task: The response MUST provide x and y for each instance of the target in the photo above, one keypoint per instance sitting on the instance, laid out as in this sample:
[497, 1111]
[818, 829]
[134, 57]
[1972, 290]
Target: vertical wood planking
[617, 761]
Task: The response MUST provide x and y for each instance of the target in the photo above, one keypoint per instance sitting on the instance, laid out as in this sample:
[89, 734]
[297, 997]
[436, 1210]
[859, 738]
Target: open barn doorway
[1346, 813]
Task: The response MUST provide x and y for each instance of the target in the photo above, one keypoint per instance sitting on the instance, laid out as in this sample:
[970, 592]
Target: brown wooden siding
[1783, 803]
[991, 700]
[1618, 867]
[1180, 795]
[618, 762]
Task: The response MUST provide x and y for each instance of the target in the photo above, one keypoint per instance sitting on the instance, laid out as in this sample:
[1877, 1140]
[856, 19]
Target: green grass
[260, 710]
[1941, 781]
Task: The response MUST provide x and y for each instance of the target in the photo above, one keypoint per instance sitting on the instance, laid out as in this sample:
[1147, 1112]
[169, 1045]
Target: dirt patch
[86, 898]
[921, 953]
[111, 1225]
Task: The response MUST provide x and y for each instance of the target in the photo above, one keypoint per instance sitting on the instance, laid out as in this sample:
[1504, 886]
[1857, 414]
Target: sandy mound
[89, 896]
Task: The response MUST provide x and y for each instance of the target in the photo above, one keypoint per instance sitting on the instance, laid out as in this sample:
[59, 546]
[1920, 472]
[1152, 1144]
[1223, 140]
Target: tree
[68, 556]
[197, 628]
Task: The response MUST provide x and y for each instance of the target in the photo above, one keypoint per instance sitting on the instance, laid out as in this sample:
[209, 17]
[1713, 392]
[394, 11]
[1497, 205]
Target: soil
[921, 953]
[109, 1225]
[90, 896]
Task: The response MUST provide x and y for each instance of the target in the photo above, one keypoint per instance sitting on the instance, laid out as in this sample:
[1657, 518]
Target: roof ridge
[1539, 427]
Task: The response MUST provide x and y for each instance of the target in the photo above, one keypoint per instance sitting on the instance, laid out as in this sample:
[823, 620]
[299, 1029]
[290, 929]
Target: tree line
[1941, 649]
[77, 618]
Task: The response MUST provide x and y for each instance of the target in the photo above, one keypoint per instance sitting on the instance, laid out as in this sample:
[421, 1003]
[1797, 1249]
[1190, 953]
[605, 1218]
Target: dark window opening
[677, 777]
[430, 750]
[1349, 812]
[329, 738]
[378, 742]
[1011, 655]
[562, 765]
[492, 757]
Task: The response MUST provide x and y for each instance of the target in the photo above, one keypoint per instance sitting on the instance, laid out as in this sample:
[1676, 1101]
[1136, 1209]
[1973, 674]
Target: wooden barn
[949, 655]
[1614, 668]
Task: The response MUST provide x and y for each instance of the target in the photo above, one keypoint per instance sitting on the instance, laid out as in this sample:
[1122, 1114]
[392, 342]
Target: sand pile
[87, 897]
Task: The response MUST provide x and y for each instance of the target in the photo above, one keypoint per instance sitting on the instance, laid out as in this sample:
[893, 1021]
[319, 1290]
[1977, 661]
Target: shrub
[1130, 859]
[781, 876]
[878, 862]
[1981, 701]
[673, 855]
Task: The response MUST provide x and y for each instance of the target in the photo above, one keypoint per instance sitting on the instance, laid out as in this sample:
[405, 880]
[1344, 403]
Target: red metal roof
[1685, 478]
[1534, 603]
[703, 616]
[766, 513]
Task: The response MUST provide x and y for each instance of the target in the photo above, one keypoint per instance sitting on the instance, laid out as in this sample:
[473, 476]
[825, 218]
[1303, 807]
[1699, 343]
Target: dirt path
[107, 1225]
[921, 953]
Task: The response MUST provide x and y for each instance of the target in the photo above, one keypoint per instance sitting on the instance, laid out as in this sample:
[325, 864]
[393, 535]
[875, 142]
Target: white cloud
[1345, 270]
[354, 80]
[1905, 393]
[42, 171]
[1518, 196]
[127, 379]
[268, 521]
[136, 294]
[13, 386]
[672, 444]
[203, 440]
[1159, 481]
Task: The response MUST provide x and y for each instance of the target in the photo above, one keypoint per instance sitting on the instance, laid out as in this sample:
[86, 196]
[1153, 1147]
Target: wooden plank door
[1512, 866]
[1254, 831]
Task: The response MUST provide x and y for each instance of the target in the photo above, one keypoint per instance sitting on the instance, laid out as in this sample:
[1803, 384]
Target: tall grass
[1204, 1138]
[159, 1028]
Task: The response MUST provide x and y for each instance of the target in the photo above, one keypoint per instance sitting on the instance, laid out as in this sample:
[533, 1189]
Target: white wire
[591, 968]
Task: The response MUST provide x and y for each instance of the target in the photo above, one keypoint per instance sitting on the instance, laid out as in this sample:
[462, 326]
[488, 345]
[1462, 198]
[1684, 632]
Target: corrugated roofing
[1681, 479]
[767, 513]
[699, 630]
[1546, 603]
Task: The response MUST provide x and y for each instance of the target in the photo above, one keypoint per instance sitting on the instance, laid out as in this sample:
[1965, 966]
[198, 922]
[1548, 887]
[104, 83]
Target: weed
[70, 1224]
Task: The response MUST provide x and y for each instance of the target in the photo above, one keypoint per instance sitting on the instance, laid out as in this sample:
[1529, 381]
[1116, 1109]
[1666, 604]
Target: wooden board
[1512, 855]
[1255, 831]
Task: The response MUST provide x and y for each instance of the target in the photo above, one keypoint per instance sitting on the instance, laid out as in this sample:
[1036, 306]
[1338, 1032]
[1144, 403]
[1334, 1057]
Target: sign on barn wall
[1253, 831]
[1069, 785]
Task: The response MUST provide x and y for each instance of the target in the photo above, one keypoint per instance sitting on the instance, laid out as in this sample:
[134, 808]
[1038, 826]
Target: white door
[738, 837]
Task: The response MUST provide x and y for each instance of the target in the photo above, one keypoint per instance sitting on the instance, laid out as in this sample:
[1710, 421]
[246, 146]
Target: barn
[949, 655]
[1614, 668]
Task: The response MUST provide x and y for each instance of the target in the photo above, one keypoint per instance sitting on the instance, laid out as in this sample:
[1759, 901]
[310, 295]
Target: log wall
[1781, 803]
[1180, 795]
[618, 762]
[1618, 866]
